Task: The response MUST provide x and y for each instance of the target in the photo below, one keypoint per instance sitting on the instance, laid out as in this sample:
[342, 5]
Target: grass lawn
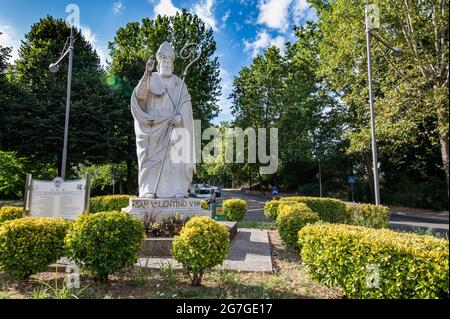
[288, 280]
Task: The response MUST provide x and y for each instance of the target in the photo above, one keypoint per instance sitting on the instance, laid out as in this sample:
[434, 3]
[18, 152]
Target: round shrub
[368, 215]
[29, 245]
[10, 213]
[104, 243]
[234, 209]
[205, 204]
[109, 203]
[291, 218]
[271, 209]
[330, 210]
[202, 244]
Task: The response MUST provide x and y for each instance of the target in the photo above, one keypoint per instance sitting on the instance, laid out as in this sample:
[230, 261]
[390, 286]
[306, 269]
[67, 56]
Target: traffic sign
[351, 180]
[217, 212]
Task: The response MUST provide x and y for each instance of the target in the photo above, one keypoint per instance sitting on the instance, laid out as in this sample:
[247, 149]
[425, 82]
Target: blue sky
[242, 28]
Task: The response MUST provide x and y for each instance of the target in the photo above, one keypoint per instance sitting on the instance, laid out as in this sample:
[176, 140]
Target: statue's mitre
[165, 49]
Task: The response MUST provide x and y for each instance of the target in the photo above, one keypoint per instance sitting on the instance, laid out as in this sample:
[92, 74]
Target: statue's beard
[166, 72]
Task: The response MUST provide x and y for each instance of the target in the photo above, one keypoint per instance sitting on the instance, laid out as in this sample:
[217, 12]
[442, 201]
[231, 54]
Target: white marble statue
[153, 105]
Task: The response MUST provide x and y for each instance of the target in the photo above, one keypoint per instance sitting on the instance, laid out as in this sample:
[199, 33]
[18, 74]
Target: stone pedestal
[162, 208]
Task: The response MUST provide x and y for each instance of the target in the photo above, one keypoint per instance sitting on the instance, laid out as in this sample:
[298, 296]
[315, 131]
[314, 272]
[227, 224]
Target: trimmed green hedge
[29, 245]
[109, 203]
[330, 210]
[271, 209]
[104, 243]
[10, 213]
[409, 265]
[202, 244]
[374, 216]
[292, 218]
[234, 209]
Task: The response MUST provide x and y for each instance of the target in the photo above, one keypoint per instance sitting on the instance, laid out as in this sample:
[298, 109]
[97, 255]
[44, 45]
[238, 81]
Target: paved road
[255, 204]
[400, 219]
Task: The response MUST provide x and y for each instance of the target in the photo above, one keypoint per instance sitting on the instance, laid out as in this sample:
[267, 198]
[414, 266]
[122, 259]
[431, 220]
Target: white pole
[372, 114]
[69, 87]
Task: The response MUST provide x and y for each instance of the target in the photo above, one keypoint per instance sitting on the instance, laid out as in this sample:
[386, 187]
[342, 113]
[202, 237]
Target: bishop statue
[158, 126]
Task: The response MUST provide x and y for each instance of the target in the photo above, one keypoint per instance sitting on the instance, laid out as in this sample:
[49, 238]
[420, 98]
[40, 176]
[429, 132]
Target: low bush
[205, 204]
[354, 257]
[271, 209]
[291, 218]
[373, 216]
[104, 243]
[202, 244]
[10, 213]
[29, 245]
[109, 203]
[234, 209]
[330, 210]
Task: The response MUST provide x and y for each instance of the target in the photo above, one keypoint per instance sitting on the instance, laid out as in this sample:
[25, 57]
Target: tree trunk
[197, 279]
[369, 168]
[443, 139]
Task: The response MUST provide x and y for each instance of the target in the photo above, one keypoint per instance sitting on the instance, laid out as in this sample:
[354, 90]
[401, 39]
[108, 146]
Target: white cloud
[263, 41]
[204, 10]
[225, 18]
[10, 38]
[101, 49]
[303, 11]
[274, 14]
[166, 8]
[118, 7]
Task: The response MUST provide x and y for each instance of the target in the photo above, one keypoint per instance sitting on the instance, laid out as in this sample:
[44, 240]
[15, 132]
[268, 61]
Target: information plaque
[57, 198]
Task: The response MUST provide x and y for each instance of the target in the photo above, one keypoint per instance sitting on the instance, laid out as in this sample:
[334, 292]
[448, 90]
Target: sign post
[352, 181]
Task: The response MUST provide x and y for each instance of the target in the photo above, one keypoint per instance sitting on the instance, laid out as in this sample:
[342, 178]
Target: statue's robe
[151, 112]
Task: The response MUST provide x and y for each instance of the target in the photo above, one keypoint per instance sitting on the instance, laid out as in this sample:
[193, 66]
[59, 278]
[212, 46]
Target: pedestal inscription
[162, 208]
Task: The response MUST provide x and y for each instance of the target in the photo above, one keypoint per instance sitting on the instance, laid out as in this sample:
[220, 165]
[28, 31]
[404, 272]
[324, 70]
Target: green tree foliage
[12, 175]
[411, 99]
[34, 124]
[13, 169]
[274, 90]
[102, 177]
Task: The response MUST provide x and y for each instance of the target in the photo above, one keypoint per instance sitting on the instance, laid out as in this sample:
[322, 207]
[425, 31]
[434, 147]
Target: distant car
[217, 191]
[206, 193]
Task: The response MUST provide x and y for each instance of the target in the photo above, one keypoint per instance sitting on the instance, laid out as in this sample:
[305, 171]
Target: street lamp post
[372, 113]
[396, 52]
[54, 68]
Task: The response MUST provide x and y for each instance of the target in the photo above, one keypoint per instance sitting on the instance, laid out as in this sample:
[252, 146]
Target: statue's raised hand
[150, 66]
